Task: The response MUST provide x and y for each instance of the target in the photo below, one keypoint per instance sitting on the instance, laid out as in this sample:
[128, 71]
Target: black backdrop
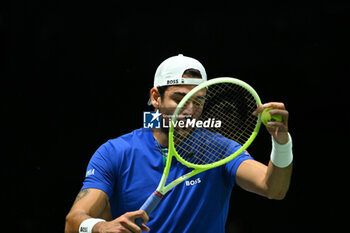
[76, 74]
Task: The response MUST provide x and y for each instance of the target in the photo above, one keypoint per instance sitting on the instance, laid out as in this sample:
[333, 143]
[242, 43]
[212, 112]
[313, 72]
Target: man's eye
[199, 102]
[177, 100]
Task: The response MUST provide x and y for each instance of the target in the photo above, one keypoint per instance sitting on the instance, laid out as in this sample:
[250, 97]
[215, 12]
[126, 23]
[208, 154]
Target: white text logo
[209, 123]
[193, 182]
[90, 172]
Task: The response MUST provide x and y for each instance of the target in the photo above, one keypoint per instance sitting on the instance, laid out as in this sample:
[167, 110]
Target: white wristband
[282, 155]
[87, 225]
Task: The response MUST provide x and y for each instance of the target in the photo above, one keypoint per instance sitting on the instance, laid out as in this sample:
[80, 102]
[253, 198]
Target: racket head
[229, 100]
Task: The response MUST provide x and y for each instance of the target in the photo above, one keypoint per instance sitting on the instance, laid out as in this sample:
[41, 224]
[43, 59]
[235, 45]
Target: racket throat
[163, 190]
[158, 194]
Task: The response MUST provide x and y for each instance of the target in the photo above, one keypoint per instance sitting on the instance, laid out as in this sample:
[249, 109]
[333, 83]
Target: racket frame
[162, 187]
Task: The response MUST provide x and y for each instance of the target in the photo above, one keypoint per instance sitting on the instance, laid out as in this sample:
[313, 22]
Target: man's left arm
[273, 180]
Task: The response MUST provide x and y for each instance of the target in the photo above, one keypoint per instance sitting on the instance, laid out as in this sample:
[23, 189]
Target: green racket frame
[154, 199]
[200, 168]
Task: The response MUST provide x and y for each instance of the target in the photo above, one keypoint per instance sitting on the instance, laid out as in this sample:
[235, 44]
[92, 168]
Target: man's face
[191, 110]
[174, 94]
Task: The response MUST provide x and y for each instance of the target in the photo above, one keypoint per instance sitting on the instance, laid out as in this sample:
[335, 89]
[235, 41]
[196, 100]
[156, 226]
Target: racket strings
[198, 149]
[227, 103]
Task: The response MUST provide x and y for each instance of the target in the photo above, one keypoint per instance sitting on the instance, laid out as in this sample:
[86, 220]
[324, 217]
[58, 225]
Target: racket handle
[150, 204]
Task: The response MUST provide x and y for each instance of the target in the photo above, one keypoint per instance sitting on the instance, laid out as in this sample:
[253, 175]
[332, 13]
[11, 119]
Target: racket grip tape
[150, 204]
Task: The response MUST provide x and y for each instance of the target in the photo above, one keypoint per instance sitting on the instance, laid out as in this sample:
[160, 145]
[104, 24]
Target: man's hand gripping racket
[231, 103]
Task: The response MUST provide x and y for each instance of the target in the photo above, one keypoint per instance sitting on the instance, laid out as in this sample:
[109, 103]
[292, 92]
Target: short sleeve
[100, 171]
[231, 167]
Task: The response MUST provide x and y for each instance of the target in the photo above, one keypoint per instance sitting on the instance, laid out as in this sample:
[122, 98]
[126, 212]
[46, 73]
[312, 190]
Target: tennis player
[124, 171]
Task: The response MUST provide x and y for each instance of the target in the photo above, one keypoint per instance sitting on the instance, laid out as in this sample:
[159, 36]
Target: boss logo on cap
[172, 82]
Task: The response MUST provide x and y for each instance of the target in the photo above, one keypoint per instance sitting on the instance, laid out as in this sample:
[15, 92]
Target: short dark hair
[193, 73]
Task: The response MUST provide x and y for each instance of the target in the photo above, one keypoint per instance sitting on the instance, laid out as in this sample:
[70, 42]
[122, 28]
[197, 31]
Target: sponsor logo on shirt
[193, 182]
[90, 172]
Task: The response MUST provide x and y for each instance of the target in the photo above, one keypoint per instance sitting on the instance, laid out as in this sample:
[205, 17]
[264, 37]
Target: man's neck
[161, 137]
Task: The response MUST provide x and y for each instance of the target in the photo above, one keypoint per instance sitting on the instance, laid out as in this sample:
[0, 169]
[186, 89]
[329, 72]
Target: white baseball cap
[170, 71]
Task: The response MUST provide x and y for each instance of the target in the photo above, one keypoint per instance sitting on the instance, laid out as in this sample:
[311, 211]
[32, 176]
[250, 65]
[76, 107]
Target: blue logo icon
[151, 120]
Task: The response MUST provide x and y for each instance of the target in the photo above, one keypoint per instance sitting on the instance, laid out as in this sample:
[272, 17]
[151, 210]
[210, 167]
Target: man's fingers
[145, 228]
[127, 220]
[131, 227]
[259, 109]
[139, 214]
[274, 105]
[278, 112]
[277, 105]
[275, 124]
[283, 113]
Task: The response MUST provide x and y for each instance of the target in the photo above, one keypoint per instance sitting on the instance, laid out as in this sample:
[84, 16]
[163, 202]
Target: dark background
[77, 73]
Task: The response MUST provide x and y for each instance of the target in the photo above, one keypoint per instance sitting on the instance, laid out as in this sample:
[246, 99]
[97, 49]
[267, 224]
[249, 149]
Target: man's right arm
[89, 203]
[94, 203]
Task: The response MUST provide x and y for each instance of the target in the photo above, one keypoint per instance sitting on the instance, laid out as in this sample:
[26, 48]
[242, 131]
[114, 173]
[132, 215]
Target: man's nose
[187, 108]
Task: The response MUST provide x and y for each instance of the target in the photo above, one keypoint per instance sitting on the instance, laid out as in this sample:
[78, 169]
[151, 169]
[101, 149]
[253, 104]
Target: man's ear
[155, 97]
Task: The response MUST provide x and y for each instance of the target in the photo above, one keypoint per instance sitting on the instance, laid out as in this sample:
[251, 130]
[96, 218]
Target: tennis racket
[221, 110]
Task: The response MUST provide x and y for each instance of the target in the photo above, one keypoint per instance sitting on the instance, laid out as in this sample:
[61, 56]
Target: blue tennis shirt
[128, 169]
